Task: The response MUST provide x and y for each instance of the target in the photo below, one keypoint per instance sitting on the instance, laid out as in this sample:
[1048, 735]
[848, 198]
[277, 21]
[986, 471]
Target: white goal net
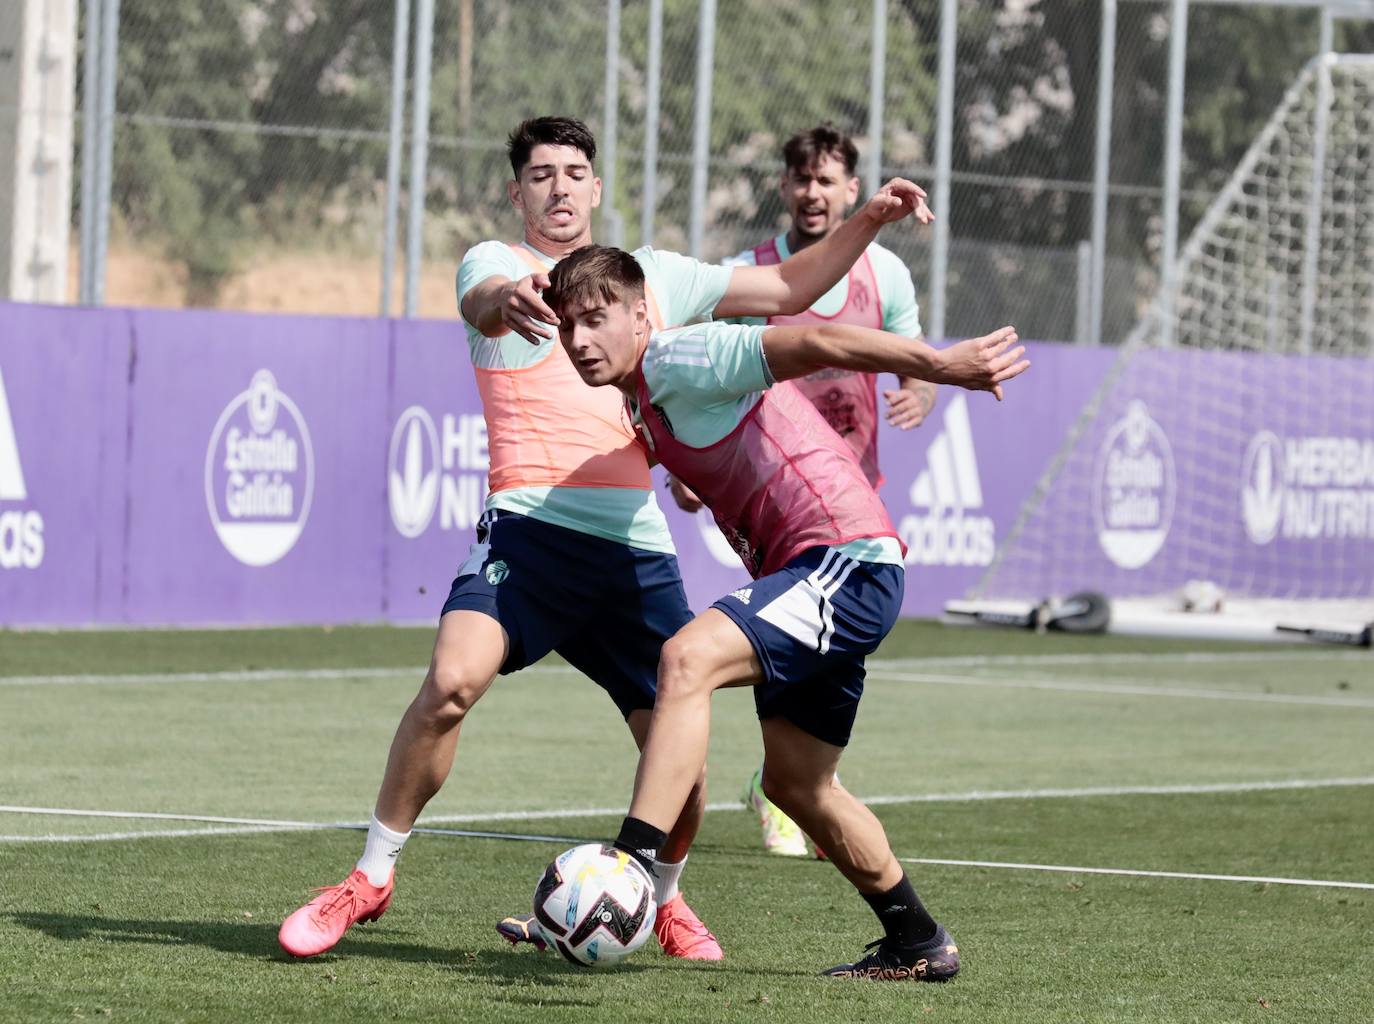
[1233, 440]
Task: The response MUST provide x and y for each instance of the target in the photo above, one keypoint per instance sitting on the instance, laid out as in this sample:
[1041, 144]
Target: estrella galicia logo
[1135, 490]
[413, 477]
[497, 572]
[259, 473]
[1261, 493]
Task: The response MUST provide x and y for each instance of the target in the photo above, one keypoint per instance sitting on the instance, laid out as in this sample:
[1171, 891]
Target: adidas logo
[11, 472]
[939, 531]
[21, 530]
[743, 594]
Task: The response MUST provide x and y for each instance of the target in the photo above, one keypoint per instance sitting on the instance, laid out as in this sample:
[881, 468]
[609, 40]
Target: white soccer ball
[1201, 596]
[595, 905]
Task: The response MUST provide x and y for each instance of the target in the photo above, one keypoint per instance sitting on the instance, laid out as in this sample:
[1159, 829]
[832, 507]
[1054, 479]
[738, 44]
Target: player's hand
[909, 404]
[897, 199]
[685, 497]
[524, 311]
[983, 364]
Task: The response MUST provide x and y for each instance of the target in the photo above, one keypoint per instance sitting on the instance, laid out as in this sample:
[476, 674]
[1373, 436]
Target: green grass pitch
[1002, 754]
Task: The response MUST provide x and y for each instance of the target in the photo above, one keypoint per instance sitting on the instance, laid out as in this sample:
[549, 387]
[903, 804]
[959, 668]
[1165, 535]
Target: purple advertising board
[436, 466]
[64, 401]
[1252, 471]
[254, 477]
[206, 468]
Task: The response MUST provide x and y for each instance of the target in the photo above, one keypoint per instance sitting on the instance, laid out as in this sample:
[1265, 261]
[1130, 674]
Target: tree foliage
[267, 71]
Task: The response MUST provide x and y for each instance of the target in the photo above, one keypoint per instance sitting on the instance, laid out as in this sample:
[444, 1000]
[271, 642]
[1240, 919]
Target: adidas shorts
[811, 624]
[605, 607]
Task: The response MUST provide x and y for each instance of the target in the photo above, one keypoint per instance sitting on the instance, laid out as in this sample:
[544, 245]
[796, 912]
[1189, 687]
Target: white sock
[665, 879]
[380, 853]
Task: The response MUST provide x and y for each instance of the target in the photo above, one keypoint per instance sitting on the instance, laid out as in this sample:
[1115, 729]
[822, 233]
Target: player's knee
[451, 689]
[684, 667]
[789, 792]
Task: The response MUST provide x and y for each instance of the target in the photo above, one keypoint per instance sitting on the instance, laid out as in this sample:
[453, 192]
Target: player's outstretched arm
[978, 364]
[499, 305]
[794, 284]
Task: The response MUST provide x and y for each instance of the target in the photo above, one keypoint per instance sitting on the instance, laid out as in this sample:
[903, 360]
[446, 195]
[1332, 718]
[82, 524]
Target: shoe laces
[345, 897]
[689, 922]
[874, 955]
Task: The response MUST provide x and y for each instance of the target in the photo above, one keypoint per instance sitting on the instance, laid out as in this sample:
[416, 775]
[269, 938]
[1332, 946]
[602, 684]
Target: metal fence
[339, 156]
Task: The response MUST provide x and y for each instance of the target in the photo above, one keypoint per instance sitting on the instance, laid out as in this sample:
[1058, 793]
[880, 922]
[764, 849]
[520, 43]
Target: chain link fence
[250, 137]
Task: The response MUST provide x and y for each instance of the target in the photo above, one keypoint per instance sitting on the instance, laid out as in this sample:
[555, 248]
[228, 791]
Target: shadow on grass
[259, 941]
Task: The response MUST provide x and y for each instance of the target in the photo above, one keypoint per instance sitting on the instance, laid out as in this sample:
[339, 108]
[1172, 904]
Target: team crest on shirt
[748, 554]
[859, 295]
[839, 411]
[497, 572]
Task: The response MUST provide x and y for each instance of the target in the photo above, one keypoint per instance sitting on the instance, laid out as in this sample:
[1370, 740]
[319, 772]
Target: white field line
[166, 833]
[1121, 689]
[940, 861]
[270, 675]
[1132, 873]
[874, 665]
[1107, 658]
[877, 668]
[233, 826]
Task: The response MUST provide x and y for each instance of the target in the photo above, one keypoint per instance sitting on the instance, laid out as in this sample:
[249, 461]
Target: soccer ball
[1201, 596]
[595, 905]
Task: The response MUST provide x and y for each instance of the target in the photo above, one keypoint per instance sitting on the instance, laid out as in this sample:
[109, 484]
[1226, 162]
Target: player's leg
[799, 776]
[490, 623]
[709, 653]
[688, 823]
[648, 612]
[730, 644]
[679, 930]
[639, 603]
[468, 652]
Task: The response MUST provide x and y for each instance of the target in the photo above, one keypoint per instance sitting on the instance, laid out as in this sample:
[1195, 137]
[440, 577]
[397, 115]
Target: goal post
[1234, 443]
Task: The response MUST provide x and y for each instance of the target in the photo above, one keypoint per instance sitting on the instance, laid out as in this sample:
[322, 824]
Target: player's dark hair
[548, 131]
[802, 150]
[594, 272]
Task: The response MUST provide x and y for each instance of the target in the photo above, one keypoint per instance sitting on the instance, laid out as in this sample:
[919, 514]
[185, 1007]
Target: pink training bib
[777, 484]
[846, 398]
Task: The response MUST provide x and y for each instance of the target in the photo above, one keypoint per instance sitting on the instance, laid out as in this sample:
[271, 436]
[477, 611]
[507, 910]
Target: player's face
[602, 339]
[557, 193]
[818, 196]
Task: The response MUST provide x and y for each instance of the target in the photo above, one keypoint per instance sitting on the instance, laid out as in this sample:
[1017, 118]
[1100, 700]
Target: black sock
[641, 841]
[905, 922]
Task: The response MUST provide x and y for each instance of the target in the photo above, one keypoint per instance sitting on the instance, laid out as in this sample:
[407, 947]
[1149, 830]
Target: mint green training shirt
[686, 290]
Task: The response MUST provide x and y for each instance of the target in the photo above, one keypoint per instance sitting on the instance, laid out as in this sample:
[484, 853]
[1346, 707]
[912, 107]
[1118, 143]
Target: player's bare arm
[794, 284]
[978, 364]
[499, 305]
[685, 498]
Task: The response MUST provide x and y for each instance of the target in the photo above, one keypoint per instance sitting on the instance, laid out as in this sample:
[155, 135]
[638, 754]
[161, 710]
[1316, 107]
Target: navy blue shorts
[812, 623]
[606, 607]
